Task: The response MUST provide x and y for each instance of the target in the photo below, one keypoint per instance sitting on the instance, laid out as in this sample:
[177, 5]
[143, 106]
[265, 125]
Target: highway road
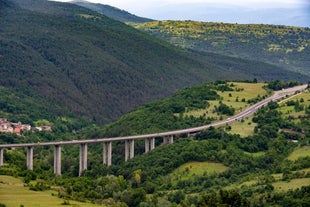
[246, 113]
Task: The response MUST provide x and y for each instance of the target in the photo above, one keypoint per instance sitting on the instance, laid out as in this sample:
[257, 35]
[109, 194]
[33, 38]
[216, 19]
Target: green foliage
[224, 109]
[28, 176]
[176, 197]
[284, 46]
[59, 52]
[40, 186]
[224, 198]
[168, 114]
[66, 203]
[298, 197]
[278, 85]
[137, 196]
[248, 179]
[92, 65]
[35, 110]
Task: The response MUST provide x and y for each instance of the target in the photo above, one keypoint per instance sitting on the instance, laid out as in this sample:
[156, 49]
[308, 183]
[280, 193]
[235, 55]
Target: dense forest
[284, 46]
[99, 67]
[212, 168]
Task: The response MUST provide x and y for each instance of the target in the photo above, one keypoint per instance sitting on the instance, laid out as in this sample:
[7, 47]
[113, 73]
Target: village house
[10, 127]
[44, 128]
[5, 126]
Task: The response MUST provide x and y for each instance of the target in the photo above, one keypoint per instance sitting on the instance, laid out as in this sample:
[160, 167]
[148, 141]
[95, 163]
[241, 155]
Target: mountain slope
[283, 46]
[287, 47]
[95, 66]
[112, 12]
[89, 63]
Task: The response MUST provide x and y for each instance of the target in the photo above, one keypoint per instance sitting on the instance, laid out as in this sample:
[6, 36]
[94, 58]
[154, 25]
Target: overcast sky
[289, 12]
[137, 4]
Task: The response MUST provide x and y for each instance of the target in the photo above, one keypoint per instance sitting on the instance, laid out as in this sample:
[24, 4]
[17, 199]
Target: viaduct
[168, 137]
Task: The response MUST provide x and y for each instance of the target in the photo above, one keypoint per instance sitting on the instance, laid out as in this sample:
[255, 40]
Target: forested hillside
[267, 167]
[72, 68]
[284, 46]
[89, 63]
[98, 67]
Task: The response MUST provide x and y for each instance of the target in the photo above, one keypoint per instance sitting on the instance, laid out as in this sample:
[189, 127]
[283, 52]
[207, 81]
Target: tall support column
[152, 143]
[147, 144]
[57, 160]
[129, 149]
[107, 153]
[29, 158]
[126, 150]
[168, 140]
[165, 140]
[1, 157]
[83, 158]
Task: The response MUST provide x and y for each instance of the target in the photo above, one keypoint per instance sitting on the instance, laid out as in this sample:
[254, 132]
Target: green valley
[99, 67]
[266, 167]
[86, 76]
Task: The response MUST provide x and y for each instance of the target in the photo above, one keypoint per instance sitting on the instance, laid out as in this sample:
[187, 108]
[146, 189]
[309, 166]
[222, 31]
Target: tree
[137, 196]
[137, 176]
[176, 197]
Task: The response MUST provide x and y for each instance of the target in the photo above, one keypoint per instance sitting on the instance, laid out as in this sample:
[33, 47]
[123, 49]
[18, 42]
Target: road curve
[249, 111]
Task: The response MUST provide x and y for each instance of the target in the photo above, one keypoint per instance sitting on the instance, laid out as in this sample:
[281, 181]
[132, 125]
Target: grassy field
[248, 91]
[14, 194]
[299, 152]
[198, 168]
[279, 176]
[244, 129]
[291, 185]
[289, 110]
[242, 91]
[278, 183]
[256, 154]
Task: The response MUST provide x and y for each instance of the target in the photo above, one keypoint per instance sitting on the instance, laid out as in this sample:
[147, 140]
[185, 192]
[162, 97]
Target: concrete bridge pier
[129, 149]
[165, 141]
[152, 140]
[171, 140]
[107, 153]
[168, 140]
[57, 160]
[29, 158]
[1, 157]
[149, 144]
[83, 158]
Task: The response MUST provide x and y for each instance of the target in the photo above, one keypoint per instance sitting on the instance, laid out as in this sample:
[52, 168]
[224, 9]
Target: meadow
[13, 193]
[238, 98]
[299, 152]
[198, 168]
